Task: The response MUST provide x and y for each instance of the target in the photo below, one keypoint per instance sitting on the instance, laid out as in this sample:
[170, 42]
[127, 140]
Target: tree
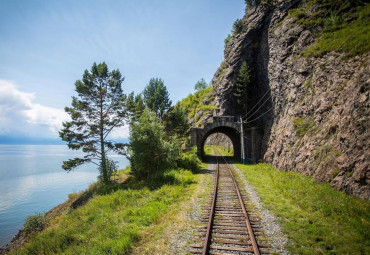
[151, 151]
[238, 27]
[251, 3]
[156, 97]
[201, 84]
[242, 86]
[135, 106]
[176, 122]
[95, 112]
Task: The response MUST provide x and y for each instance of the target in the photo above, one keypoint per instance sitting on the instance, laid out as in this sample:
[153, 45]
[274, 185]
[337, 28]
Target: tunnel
[230, 132]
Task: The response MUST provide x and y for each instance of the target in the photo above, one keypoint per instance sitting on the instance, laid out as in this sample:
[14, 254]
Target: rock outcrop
[314, 110]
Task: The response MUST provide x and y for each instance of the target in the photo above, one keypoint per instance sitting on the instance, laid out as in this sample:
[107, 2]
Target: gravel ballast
[277, 239]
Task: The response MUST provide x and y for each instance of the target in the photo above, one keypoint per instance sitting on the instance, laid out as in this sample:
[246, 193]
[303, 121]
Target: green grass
[345, 26]
[302, 125]
[208, 150]
[350, 38]
[193, 103]
[114, 219]
[317, 218]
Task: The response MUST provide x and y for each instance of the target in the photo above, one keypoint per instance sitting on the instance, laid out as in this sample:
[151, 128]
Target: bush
[227, 39]
[150, 150]
[190, 160]
[111, 169]
[35, 223]
[238, 27]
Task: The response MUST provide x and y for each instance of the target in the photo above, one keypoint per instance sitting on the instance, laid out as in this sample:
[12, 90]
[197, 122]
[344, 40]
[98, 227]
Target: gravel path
[278, 240]
[180, 240]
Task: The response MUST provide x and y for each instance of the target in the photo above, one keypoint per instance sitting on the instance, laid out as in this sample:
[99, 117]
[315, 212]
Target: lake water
[32, 181]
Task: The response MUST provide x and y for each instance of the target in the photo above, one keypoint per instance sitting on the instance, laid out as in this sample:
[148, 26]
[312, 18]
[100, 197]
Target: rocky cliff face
[314, 110]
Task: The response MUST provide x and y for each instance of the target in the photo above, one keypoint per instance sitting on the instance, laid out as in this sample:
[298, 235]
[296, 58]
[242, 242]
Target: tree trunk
[102, 147]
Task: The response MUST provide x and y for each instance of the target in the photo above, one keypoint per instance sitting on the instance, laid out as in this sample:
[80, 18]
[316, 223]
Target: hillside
[309, 63]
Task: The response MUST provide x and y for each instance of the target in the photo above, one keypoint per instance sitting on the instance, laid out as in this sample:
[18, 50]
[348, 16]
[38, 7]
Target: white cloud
[120, 133]
[20, 115]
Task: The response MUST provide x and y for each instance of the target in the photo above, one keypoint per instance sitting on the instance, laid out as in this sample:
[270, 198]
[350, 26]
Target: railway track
[226, 227]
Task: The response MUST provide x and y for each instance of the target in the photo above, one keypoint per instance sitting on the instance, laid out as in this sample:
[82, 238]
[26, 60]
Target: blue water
[32, 181]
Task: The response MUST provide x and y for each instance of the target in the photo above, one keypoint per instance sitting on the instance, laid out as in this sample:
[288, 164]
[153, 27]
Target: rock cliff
[314, 109]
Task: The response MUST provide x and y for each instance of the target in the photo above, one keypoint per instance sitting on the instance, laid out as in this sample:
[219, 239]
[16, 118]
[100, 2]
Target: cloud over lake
[20, 115]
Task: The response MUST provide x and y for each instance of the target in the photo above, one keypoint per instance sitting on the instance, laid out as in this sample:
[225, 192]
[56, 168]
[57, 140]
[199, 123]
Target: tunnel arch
[231, 127]
[232, 133]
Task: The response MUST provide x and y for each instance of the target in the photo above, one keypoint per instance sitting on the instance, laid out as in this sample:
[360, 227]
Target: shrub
[190, 160]
[227, 39]
[151, 151]
[35, 223]
[238, 27]
[111, 169]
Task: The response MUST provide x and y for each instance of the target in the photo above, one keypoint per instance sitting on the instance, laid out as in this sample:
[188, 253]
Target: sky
[45, 46]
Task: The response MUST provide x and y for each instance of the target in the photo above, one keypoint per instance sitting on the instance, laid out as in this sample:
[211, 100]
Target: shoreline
[20, 239]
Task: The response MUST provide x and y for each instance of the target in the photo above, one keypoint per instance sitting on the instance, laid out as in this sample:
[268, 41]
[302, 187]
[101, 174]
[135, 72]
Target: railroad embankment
[161, 216]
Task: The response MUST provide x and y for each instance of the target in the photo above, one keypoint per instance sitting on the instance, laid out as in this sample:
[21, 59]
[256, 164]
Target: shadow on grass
[174, 177]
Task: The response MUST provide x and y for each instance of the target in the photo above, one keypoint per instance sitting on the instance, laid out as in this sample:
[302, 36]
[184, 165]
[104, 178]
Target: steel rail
[247, 221]
[207, 241]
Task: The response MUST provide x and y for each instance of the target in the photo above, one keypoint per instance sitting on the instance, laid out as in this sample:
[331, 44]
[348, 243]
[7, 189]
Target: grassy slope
[317, 218]
[115, 219]
[194, 103]
[170, 234]
[345, 26]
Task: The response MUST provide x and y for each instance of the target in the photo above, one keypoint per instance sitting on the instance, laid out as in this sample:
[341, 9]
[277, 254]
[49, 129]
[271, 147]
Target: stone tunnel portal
[230, 132]
[226, 125]
[229, 126]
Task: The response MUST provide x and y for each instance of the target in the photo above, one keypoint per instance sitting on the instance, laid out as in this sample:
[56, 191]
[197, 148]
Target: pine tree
[200, 85]
[242, 86]
[95, 112]
[156, 97]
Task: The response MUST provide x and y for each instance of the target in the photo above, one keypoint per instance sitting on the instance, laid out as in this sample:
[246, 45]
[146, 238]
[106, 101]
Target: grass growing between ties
[317, 218]
[115, 218]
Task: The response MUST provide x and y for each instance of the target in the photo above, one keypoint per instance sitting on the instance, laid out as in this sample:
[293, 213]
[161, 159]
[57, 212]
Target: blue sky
[46, 45]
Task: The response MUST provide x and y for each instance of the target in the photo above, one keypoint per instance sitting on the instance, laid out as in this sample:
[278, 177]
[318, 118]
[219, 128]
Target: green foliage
[176, 123]
[243, 82]
[349, 38]
[189, 160]
[344, 26]
[95, 112]
[151, 151]
[251, 3]
[111, 168]
[113, 222]
[317, 218]
[195, 103]
[302, 125]
[200, 85]
[156, 97]
[209, 150]
[227, 39]
[135, 106]
[238, 27]
[35, 223]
